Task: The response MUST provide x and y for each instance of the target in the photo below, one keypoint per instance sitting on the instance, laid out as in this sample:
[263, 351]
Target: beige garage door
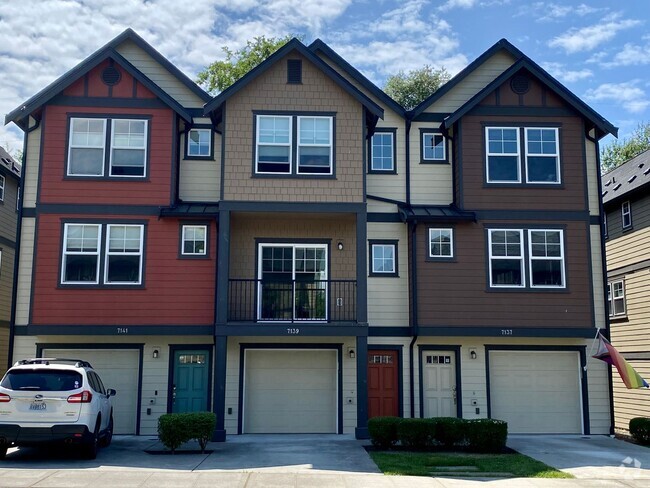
[290, 391]
[118, 369]
[536, 392]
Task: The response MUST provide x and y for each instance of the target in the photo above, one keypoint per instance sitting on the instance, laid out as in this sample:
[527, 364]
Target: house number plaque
[292, 331]
[122, 330]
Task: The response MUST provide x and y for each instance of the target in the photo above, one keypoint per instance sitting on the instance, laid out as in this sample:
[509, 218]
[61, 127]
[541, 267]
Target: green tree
[410, 89]
[221, 74]
[619, 151]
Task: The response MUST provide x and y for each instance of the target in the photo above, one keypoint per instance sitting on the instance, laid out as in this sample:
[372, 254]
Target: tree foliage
[221, 74]
[617, 152]
[412, 88]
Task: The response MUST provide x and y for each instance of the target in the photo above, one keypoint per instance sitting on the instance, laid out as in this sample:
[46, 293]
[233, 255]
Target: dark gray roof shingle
[626, 178]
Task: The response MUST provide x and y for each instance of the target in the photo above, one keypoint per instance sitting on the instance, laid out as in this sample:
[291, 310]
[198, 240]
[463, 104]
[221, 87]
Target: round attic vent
[111, 76]
[520, 84]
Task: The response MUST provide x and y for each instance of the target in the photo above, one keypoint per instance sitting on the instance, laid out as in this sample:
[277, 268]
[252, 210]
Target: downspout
[19, 226]
[414, 314]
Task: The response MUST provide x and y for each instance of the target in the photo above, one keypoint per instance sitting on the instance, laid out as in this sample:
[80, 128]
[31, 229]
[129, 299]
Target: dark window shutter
[294, 71]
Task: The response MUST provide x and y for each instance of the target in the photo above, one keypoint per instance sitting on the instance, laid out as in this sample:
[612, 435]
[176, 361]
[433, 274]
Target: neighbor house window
[123, 254]
[503, 164]
[199, 143]
[273, 144]
[125, 156]
[546, 259]
[506, 248]
[383, 258]
[2, 188]
[314, 145]
[382, 152]
[441, 244]
[626, 215]
[81, 248]
[542, 156]
[616, 298]
[433, 147]
[195, 240]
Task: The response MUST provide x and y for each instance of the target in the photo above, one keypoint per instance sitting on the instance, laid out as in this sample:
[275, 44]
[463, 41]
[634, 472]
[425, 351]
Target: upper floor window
[540, 155]
[605, 230]
[441, 243]
[546, 259]
[383, 258]
[124, 254]
[382, 152]
[194, 240]
[433, 147]
[616, 298]
[81, 253]
[199, 143]
[626, 214]
[506, 258]
[313, 147]
[125, 156]
[2, 188]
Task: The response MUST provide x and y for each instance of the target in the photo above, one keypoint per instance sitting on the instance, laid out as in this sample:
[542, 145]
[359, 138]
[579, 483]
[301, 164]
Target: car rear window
[42, 380]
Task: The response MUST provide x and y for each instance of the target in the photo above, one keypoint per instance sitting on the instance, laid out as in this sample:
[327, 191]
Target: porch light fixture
[351, 353]
[472, 354]
[340, 245]
[156, 353]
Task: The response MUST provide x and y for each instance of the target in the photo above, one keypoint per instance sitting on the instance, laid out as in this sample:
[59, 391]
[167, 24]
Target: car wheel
[90, 449]
[108, 435]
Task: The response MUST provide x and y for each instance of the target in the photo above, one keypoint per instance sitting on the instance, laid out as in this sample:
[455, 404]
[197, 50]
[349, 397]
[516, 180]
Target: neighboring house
[299, 253]
[9, 184]
[626, 202]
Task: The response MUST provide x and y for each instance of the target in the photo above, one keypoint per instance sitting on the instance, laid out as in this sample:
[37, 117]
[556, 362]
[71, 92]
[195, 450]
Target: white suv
[48, 400]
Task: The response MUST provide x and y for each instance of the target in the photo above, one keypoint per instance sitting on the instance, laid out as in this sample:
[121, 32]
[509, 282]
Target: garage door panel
[290, 391]
[536, 392]
[118, 369]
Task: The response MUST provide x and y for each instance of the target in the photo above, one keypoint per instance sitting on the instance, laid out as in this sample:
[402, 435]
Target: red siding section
[176, 291]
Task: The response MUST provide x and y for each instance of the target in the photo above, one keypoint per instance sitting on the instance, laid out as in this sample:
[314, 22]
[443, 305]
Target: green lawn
[424, 463]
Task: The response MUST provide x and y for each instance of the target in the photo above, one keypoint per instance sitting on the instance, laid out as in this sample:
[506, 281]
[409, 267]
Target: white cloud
[627, 95]
[560, 71]
[451, 4]
[630, 55]
[588, 38]
[554, 11]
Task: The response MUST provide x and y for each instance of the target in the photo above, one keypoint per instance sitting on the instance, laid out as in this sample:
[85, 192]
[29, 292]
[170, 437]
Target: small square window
[194, 240]
[199, 143]
[433, 147]
[441, 243]
[383, 258]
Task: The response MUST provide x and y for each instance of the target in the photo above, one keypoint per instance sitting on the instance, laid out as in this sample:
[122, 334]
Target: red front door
[383, 384]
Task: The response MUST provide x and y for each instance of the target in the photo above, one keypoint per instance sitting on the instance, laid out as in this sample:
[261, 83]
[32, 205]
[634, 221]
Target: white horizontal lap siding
[390, 185]
[31, 168]
[431, 183]
[629, 250]
[200, 180]
[597, 273]
[593, 175]
[23, 291]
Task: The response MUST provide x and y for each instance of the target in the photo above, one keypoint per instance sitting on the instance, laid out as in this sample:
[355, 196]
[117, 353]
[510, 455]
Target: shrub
[640, 430]
[487, 435]
[383, 431]
[201, 427]
[451, 431]
[416, 433]
[173, 430]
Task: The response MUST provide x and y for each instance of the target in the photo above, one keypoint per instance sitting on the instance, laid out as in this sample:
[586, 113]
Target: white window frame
[451, 242]
[108, 253]
[627, 214]
[71, 147]
[444, 146]
[144, 148]
[392, 152]
[258, 143]
[488, 154]
[67, 253]
[2, 188]
[611, 298]
[556, 155]
[392, 272]
[205, 240]
[189, 153]
[330, 145]
[521, 257]
[532, 258]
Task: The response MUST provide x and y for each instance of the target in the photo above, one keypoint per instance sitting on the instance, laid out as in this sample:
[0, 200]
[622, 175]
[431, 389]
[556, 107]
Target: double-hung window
[2, 188]
[503, 160]
[123, 151]
[433, 147]
[626, 215]
[199, 143]
[506, 247]
[382, 152]
[542, 155]
[273, 144]
[315, 145]
[616, 298]
[83, 247]
[546, 261]
[441, 243]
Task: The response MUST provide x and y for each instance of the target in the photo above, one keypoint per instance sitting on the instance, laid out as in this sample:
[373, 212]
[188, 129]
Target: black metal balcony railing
[292, 301]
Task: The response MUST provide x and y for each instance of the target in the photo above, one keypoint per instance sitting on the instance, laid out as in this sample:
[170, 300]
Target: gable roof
[523, 62]
[108, 51]
[293, 44]
[626, 178]
[8, 162]
[320, 46]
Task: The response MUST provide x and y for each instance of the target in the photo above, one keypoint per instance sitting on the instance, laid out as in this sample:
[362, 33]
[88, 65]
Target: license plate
[38, 406]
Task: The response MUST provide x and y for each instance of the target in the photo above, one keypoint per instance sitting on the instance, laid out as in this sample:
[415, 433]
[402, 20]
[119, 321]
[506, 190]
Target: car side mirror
[111, 392]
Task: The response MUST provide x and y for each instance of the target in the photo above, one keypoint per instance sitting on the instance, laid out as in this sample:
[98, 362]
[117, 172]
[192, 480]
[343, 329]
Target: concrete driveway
[588, 457]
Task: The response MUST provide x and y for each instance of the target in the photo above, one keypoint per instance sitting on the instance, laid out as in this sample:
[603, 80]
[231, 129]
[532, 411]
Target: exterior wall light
[472, 354]
[340, 245]
[352, 353]
[156, 353]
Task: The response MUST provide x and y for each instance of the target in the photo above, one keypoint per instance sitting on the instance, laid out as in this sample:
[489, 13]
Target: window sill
[525, 289]
[434, 161]
[383, 275]
[619, 318]
[106, 178]
[78, 286]
[541, 186]
[431, 259]
[382, 172]
[198, 158]
[192, 257]
[288, 176]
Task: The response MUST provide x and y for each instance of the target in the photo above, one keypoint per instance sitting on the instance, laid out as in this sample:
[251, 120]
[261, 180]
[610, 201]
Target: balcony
[292, 301]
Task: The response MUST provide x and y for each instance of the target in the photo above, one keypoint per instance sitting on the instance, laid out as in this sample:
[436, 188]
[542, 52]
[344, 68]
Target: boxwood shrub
[451, 431]
[383, 431]
[416, 433]
[640, 430]
[486, 435]
[175, 429]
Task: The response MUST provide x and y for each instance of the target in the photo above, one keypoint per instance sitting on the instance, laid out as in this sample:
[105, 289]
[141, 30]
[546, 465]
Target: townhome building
[299, 253]
[626, 203]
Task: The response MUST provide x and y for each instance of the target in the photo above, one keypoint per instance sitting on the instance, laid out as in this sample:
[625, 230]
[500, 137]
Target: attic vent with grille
[520, 84]
[111, 76]
[294, 71]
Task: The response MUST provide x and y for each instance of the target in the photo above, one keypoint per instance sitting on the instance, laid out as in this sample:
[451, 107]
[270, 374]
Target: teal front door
[190, 387]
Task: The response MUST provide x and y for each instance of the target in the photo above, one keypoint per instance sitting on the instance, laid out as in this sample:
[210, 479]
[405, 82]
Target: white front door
[439, 384]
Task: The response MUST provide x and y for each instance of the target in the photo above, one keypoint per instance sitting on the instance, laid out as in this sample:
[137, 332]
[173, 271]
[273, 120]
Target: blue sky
[599, 49]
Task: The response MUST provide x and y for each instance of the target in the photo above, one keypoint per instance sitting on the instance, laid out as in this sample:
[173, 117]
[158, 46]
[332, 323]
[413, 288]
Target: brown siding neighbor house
[626, 202]
[300, 253]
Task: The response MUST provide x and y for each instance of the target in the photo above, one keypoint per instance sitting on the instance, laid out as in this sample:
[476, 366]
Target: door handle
[173, 393]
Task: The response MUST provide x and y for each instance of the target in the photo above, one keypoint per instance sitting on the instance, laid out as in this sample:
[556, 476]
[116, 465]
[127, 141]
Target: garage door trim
[581, 350]
[90, 345]
[287, 347]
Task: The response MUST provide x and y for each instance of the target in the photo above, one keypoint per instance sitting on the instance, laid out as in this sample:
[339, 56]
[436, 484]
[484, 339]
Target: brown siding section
[317, 93]
[454, 294]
